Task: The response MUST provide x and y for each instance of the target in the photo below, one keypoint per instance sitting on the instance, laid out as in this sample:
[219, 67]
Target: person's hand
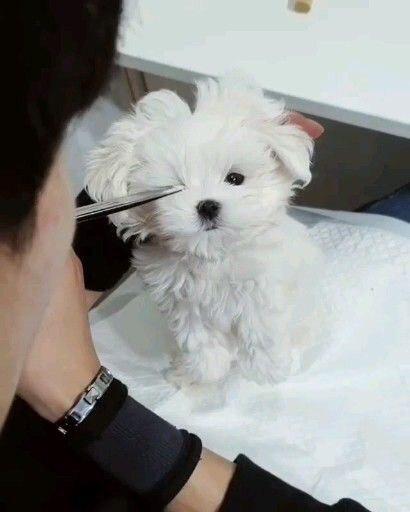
[312, 128]
[62, 360]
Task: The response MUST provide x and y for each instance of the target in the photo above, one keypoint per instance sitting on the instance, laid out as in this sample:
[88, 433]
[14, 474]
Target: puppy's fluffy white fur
[231, 287]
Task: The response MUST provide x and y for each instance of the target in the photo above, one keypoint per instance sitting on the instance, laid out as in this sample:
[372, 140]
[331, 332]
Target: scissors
[104, 208]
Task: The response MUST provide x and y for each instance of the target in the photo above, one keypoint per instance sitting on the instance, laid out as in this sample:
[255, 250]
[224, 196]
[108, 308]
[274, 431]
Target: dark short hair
[56, 57]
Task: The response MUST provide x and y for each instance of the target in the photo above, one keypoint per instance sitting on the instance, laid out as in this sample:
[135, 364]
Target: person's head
[56, 58]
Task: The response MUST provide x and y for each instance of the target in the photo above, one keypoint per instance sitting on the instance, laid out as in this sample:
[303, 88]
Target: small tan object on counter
[303, 5]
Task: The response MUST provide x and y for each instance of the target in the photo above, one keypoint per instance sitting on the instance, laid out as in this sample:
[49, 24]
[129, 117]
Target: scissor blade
[104, 208]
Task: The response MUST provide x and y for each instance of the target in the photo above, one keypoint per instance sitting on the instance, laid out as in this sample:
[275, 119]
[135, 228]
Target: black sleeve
[155, 460]
[145, 453]
[41, 470]
[105, 257]
[122, 457]
[253, 488]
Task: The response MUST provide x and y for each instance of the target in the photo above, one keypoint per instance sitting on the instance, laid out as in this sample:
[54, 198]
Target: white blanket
[340, 427]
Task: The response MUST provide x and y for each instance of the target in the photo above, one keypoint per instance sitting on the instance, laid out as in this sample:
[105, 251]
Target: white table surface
[347, 60]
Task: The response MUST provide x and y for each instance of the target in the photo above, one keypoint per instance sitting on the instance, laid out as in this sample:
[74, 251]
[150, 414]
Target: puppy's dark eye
[234, 178]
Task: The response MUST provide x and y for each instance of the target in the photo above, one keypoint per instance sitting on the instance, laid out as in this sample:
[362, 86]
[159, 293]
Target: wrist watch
[86, 403]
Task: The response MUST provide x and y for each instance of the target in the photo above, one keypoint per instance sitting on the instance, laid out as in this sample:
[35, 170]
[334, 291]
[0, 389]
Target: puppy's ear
[110, 164]
[161, 106]
[292, 146]
[237, 97]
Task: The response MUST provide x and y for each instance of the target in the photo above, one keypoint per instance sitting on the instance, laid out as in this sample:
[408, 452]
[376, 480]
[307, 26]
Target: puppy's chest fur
[217, 293]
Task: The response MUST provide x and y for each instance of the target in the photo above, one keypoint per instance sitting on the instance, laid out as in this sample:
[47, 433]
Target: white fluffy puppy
[222, 259]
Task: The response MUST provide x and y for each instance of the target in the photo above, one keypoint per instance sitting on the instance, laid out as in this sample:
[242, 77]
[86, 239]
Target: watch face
[85, 404]
[105, 376]
[92, 395]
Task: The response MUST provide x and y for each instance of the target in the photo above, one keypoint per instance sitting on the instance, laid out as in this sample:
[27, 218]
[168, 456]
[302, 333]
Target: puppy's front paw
[205, 366]
[178, 375]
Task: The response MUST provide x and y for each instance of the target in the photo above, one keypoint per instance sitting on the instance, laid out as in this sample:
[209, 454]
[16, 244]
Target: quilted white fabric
[340, 426]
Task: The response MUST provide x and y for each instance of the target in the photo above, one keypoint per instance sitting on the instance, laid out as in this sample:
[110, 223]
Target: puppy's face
[234, 157]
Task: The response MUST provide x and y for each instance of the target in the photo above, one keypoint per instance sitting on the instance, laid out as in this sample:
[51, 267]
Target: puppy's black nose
[208, 209]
